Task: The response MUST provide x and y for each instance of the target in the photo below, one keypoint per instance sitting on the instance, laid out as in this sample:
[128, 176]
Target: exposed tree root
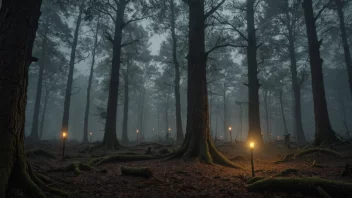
[120, 158]
[308, 151]
[307, 185]
[137, 172]
[238, 158]
[254, 179]
[37, 179]
[40, 152]
[205, 152]
[316, 150]
[287, 172]
[76, 167]
[317, 165]
[155, 145]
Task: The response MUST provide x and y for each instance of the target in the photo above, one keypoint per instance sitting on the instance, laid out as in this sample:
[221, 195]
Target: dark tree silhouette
[198, 143]
[18, 26]
[68, 91]
[323, 130]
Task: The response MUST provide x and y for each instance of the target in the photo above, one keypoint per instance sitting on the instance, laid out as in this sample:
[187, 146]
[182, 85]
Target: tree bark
[198, 143]
[18, 26]
[254, 133]
[226, 132]
[298, 126]
[86, 114]
[110, 139]
[346, 48]
[142, 132]
[265, 93]
[323, 130]
[34, 132]
[283, 112]
[42, 121]
[125, 139]
[179, 131]
[66, 114]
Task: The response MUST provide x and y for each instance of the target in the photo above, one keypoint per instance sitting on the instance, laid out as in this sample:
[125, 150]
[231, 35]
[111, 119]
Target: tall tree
[120, 21]
[68, 91]
[198, 143]
[18, 26]
[323, 130]
[86, 114]
[51, 28]
[346, 48]
[289, 16]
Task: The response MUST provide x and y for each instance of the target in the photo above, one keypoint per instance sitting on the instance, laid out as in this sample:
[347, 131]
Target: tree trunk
[142, 132]
[86, 114]
[254, 133]
[125, 139]
[265, 93]
[110, 138]
[226, 132]
[166, 111]
[18, 26]
[46, 99]
[198, 143]
[298, 126]
[346, 47]
[323, 130]
[179, 131]
[283, 112]
[66, 114]
[34, 132]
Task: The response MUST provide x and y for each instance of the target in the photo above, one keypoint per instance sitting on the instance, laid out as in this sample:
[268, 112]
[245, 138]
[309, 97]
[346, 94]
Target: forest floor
[176, 178]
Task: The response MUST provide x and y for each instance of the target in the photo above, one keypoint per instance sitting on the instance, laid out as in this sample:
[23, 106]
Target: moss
[254, 179]
[304, 185]
[138, 172]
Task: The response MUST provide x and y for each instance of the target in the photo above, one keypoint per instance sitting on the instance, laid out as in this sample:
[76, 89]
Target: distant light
[90, 133]
[169, 129]
[230, 128]
[137, 131]
[64, 135]
[251, 145]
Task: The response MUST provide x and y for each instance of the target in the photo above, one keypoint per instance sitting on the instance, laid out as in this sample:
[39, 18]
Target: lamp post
[64, 137]
[90, 137]
[251, 146]
[230, 133]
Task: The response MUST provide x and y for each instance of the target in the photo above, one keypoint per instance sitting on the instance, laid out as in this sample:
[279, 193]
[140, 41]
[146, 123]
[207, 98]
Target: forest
[175, 98]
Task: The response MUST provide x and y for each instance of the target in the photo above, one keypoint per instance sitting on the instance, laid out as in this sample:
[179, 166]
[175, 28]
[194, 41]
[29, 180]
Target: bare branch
[233, 27]
[213, 9]
[129, 43]
[222, 46]
[322, 10]
[109, 37]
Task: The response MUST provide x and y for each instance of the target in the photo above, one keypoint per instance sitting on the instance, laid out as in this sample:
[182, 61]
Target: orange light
[230, 128]
[251, 145]
[64, 135]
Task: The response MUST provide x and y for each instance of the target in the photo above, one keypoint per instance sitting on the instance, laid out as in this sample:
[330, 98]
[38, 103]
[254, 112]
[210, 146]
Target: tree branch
[129, 43]
[221, 46]
[109, 37]
[322, 10]
[213, 9]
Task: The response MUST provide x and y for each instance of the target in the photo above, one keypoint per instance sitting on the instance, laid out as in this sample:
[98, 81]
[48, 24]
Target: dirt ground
[177, 178]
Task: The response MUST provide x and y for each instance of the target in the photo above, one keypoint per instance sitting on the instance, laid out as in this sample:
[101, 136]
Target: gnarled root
[307, 185]
[308, 151]
[76, 167]
[119, 158]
